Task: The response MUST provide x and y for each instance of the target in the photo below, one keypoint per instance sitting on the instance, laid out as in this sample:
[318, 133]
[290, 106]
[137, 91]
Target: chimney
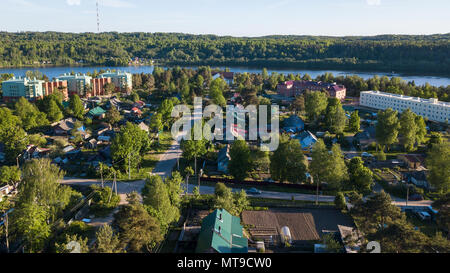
[220, 217]
[220, 229]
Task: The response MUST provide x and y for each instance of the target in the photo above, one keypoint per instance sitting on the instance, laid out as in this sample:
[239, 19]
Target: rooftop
[408, 98]
[222, 232]
[23, 80]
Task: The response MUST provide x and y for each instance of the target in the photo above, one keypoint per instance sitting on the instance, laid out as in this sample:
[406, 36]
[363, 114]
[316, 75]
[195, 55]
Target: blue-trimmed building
[31, 89]
[122, 80]
[77, 84]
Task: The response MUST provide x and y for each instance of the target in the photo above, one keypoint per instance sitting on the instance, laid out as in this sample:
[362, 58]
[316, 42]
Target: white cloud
[116, 4]
[373, 2]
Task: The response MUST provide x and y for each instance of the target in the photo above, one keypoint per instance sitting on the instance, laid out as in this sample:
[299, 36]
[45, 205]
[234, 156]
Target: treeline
[189, 82]
[403, 53]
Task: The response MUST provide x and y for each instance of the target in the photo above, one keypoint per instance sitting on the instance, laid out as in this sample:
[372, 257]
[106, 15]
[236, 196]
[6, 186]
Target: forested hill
[399, 53]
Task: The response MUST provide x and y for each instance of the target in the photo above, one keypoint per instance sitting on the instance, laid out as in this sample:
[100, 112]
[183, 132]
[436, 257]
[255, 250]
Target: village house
[4, 191]
[412, 161]
[293, 124]
[227, 76]
[91, 144]
[63, 127]
[221, 232]
[418, 178]
[139, 104]
[33, 151]
[96, 113]
[143, 127]
[223, 158]
[306, 139]
[365, 138]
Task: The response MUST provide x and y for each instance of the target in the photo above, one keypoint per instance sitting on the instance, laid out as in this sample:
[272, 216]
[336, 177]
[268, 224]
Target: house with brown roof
[412, 161]
[63, 127]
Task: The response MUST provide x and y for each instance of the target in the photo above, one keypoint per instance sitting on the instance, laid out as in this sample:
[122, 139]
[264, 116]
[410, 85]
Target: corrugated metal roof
[222, 232]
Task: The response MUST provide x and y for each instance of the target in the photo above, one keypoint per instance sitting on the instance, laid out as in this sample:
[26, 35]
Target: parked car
[253, 191]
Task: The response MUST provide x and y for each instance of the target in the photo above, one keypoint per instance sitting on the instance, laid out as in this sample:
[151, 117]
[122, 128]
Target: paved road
[163, 168]
[168, 161]
[402, 202]
[269, 194]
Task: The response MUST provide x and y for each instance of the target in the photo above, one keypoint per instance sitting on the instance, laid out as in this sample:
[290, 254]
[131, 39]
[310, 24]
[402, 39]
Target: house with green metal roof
[97, 112]
[221, 232]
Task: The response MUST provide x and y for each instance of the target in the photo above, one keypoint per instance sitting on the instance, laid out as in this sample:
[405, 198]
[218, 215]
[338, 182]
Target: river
[53, 72]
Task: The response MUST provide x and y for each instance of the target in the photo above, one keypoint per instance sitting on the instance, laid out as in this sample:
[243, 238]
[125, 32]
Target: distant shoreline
[242, 65]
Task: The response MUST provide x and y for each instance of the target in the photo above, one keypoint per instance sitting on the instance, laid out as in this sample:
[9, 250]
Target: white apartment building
[432, 109]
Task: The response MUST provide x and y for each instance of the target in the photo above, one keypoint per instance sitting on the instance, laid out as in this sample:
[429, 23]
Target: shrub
[339, 201]
[104, 200]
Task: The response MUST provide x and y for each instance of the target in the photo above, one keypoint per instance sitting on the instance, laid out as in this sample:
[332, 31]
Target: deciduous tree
[288, 163]
[386, 130]
[438, 164]
[239, 164]
[315, 104]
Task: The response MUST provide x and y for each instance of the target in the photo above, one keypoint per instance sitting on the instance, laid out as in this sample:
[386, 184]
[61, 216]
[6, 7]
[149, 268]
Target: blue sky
[231, 17]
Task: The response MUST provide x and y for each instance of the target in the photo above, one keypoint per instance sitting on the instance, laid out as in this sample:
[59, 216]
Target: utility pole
[129, 166]
[101, 173]
[407, 193]
[6, 232]
[113, 186]
[98, 19]
[317, 190]
[115, 182]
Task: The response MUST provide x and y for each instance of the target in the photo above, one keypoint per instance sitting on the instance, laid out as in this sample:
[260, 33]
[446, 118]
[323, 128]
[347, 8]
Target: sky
[230, 17]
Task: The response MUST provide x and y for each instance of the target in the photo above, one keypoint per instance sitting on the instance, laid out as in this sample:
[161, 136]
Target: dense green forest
[400, 53]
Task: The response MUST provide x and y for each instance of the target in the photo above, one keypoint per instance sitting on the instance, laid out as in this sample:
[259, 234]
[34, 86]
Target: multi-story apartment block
[77, 84]
[31, 89]
[432, 109]
[122, 80]
[296, 88]
[98, 86]
[51, 87]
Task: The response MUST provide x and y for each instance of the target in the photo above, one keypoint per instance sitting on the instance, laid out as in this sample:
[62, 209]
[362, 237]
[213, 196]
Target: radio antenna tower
[98, 19]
